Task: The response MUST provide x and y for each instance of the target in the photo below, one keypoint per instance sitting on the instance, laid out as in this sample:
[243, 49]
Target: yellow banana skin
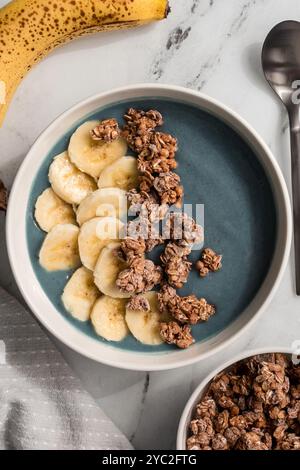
[30, 29]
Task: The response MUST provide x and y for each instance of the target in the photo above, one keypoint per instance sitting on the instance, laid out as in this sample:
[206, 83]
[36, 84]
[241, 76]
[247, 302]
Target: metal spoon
[281, 65]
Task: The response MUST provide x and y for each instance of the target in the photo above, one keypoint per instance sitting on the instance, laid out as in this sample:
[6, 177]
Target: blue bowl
[224, 165]
[219, 170]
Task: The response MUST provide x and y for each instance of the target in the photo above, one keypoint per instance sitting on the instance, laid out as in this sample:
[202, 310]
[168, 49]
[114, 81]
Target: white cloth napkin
[42, 404]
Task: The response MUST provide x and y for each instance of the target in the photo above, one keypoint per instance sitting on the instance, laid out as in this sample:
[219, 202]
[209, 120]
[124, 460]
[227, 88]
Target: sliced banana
[59, 251]
[123, 174]
[106, 202]
[107, 269]
[51, 210]
[92, 156]
[80, 294]
[68, 182]
[108, 318]
[94, 235]
[145, 325]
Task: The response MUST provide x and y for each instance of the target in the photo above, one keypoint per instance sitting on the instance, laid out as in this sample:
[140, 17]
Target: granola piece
[241, 384]
[232, 435]
[222, 421]
[193, 443]
[293, 411]
[277, 415]
[146, 182]
[227, 403]
[280, 432]
[179, 226]
[255, 404]
[139, 303]
[158, 155]
[107, 131]
[176, 265]
[141, 276]
[272, 385]
[145, 232]
[139, 127]
[207, 407]
[168, 188]
[156, 165]
[173, 333]
[181, 249]
[290, 442]
[210, 261]
[146, 205]
[204, 424]
[188, 309]
[251, 441]
[3, 197]
[255, 419]
[221, 385]
[295, 391]
[132, 247]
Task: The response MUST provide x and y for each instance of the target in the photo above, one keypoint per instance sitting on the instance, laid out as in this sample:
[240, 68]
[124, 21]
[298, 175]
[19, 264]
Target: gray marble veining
[209, 45]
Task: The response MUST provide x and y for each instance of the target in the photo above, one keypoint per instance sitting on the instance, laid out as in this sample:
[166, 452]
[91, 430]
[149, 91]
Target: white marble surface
[218, 52]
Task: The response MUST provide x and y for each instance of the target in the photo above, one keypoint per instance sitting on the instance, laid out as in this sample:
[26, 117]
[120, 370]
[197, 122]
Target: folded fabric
[42, 403]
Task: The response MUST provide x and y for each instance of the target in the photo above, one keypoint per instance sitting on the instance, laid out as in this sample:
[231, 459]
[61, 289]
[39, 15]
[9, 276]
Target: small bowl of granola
[249, 403]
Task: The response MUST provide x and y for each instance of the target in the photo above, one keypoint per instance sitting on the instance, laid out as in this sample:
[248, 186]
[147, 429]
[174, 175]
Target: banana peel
[3, 197]
[30, 29]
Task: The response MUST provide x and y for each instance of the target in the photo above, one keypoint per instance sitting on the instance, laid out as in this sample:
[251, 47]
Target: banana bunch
[80, 214]
[30, 29]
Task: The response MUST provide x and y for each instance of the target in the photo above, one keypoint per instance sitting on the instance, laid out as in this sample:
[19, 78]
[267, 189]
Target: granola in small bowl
[250, 404]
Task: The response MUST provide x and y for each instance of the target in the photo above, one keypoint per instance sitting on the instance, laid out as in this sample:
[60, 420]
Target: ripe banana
[145, 325]
[80, 294]
[59, 250]
[106, 202]
[51, 210]
[123, 174]
[30, 29]
[94, 235]
[92, 156]
[69, 183]
[108, 318]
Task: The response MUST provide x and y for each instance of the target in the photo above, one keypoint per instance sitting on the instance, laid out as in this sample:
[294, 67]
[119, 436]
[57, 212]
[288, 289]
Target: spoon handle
[295, 150]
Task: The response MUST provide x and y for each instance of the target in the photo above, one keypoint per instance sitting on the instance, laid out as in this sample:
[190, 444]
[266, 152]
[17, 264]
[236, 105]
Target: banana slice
[107, 202]
[80, 294]
[93, 156]
[68, 182]
[59, 251]
[94, 235]
[108, 318]
[123, 174]
[51, 210]
[107, 269]
[145, 325]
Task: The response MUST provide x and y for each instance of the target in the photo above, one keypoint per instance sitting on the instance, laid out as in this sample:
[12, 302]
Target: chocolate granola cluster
[106, 131]
[186, 310]
[255, 405]
[209, 262]
[159, 188]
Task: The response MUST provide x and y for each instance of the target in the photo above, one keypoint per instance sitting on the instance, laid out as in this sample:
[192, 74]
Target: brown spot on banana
[30, 29]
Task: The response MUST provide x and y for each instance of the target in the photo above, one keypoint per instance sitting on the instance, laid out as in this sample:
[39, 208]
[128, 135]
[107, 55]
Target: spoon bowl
[281, 59]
